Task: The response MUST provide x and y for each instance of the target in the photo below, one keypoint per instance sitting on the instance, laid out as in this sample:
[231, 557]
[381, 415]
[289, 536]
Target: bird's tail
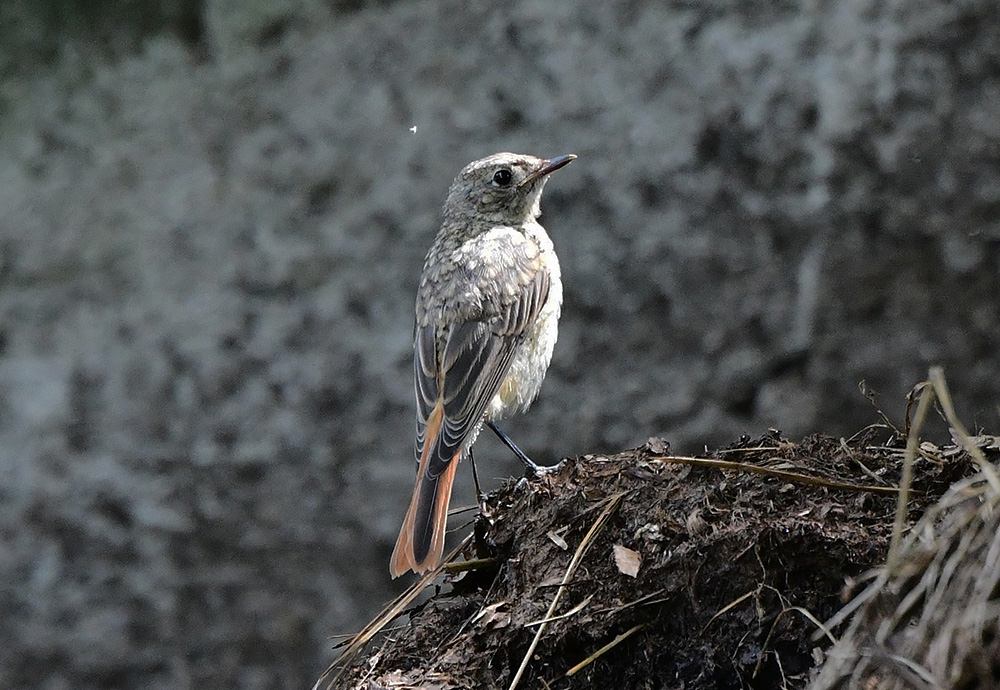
[421, 538]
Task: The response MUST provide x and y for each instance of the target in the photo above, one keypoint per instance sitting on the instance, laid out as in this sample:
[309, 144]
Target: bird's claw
[533, 469]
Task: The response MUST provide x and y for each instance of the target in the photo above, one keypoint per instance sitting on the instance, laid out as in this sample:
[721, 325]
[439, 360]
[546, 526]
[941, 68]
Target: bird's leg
[480, 496]
[534, 467]
[483, 523]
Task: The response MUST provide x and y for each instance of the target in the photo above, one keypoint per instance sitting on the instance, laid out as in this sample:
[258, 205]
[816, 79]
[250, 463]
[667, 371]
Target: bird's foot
[534, 469]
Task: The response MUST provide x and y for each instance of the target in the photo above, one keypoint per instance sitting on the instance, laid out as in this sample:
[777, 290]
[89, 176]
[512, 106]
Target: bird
[487, 312]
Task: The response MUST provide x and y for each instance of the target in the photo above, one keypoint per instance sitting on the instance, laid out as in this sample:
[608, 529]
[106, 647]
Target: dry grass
[931, 617]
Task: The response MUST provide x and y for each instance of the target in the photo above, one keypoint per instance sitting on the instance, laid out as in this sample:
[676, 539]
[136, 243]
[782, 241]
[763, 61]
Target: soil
[740, 555]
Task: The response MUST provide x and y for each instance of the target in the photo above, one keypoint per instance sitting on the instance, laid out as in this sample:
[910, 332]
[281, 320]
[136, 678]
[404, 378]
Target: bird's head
[502, 189]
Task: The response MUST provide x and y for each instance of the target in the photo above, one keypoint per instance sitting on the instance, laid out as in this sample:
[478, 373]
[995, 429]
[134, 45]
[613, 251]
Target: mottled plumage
[487, 307]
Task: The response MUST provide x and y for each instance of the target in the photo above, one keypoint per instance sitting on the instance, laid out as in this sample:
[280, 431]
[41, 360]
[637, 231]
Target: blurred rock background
[213, 215]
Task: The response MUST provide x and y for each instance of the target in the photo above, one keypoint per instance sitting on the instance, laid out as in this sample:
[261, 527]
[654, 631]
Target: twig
[730, 605]
[464, 566]
[606, 648]
[647, 599]
[854, 604]
[772, 472]
[912, 441]
[572, 612]
[864, 430]
[774, 626]
[581, 550]
[815, 621]
[386, 616]
[941, 388]
[864, 468]
[773, 449]
[870, 395]
[472, 619]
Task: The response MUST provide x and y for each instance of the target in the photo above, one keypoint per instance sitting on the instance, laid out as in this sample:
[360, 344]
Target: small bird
[487, 311]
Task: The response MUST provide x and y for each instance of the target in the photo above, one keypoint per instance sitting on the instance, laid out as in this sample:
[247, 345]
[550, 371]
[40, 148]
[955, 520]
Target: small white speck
[413, 129]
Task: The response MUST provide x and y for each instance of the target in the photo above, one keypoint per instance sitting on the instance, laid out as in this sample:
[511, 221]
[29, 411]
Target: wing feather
[464, 364]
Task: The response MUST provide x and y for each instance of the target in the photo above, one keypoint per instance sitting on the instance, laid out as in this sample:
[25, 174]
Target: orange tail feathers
[421, 538]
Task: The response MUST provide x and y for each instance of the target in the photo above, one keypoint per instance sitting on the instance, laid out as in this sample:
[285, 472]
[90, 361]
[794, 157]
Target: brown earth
[740, 554]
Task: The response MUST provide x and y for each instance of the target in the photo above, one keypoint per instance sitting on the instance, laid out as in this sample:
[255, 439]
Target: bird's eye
[503, 177]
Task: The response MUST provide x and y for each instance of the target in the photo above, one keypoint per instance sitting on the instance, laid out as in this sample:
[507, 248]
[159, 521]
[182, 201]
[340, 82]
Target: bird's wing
[462, 366]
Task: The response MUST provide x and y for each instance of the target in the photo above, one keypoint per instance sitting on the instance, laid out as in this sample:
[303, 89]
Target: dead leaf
[983, 442]
[627, 560]
[557, 540]
[695, 523]
[492, 617]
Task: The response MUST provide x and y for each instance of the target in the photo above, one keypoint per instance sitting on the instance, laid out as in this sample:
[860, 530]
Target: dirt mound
[646, 570]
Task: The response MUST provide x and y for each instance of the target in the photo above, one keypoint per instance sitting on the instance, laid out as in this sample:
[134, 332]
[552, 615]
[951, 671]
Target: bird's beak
[546, 167]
